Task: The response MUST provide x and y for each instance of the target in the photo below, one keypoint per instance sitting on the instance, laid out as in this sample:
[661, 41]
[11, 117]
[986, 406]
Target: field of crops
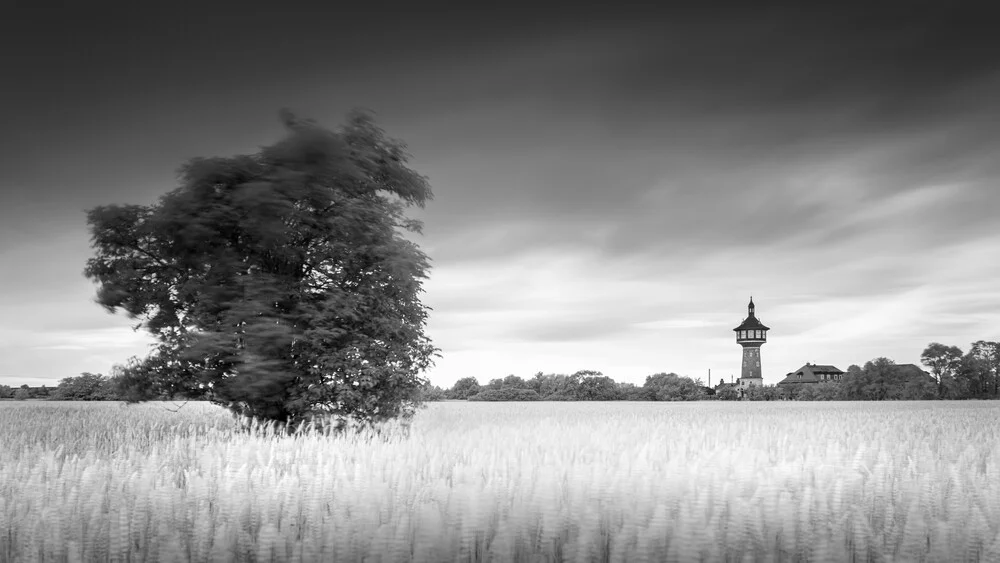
[507, 482]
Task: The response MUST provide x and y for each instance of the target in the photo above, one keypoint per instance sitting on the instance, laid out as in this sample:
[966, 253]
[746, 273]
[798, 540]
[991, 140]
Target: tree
[280, 284]
[882, 379]
[632, 392]
[727, 393]
[974, 377]
[761, 393]
[598, 388]
[22, 394]
[672, 387]
[852, 384]
[881, 382]
[987, 356]
[822, 391]
[556, 387]
[431, 393]
[464, 388]
[924, 389]
[86, 387]
[495, 384]
[6, 392]
[514, 382]
[943, 361]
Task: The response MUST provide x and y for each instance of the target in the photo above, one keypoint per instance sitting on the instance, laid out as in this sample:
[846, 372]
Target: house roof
[912, 370]
[811, 373]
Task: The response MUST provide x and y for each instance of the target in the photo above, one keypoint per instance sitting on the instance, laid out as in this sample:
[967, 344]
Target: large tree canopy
[279, 284]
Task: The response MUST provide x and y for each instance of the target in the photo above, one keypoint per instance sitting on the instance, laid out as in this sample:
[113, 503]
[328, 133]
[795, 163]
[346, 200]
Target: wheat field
[503, 482]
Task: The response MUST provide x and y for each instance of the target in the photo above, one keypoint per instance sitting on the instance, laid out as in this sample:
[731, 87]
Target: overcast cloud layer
[610, 187]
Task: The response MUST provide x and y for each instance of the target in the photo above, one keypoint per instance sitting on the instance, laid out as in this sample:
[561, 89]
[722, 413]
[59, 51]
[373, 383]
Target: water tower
[751, 335]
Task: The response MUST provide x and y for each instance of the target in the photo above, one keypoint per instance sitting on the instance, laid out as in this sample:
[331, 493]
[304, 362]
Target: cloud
[611, 185]
[675, 324]
[92, 339]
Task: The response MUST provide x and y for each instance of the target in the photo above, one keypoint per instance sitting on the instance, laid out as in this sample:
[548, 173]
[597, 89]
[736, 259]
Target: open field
[508, 482]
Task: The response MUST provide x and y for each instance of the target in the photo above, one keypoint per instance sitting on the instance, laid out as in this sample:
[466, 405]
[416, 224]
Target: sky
[611, 185]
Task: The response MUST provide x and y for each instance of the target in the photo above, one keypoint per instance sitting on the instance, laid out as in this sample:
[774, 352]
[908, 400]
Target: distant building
[813, 373]
[751, 335]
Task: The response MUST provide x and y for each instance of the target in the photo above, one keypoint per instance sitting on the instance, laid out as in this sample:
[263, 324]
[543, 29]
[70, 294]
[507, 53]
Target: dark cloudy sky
[611, 185]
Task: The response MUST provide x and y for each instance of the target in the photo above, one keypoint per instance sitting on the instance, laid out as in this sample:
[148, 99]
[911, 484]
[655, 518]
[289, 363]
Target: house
[813, 373]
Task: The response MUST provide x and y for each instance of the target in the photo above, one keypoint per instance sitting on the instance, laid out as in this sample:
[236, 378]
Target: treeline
[85, 387]
[585, 385]
[952, 374]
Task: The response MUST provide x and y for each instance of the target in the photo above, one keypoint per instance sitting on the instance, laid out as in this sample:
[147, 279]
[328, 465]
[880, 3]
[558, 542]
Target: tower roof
[751, 322]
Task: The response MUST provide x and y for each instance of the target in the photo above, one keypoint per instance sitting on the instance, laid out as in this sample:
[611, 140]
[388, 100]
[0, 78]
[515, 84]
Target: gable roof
[912, 370]
[812, 373]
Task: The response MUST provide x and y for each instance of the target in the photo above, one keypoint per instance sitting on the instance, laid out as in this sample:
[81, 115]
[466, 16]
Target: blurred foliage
[282, 284]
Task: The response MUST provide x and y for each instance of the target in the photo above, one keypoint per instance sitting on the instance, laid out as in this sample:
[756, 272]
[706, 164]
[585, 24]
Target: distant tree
[463, 388]
[6, 392]
[852, 385]
[514, 382]
[986, 354]
[727, 393]
[633, 392]
[822, 391]
[974, 378]
[598, 388]
[556, 387]
[923, 389]
[943, 361]
[505, 394]
[431, 393]
[85, 387]
[827, 391]
[672, 387]
[789, 391]
[880, 379]
[22, 394]
[280, 284]
[806, 392]
[761, 393]
[535, 383]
